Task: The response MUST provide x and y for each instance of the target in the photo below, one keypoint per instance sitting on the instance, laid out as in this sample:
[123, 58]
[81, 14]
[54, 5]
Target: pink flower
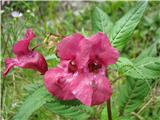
[92, 86]
[70, 50]
[83, 76]
[25, 57]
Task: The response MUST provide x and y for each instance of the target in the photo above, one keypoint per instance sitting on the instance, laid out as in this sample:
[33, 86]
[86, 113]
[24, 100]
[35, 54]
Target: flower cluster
[81, 73]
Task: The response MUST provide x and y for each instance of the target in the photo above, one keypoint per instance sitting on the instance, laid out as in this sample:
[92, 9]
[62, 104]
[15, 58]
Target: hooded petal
[32, 60]
[22, 46]
[91, 89]
[56, 81]
[76, 48]
[82, 56]
[102, 49]
[69, 46]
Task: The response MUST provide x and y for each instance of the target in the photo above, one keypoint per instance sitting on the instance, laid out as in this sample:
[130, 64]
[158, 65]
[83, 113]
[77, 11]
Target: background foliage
[135, 78]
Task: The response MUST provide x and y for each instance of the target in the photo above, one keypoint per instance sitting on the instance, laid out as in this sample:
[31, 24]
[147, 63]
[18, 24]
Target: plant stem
[137, 115]
[109, 109]
[109, 104]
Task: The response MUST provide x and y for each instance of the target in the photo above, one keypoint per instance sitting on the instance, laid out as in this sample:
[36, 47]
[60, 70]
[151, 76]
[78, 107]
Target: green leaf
[124, 63]
[147, 68]
[148, 52]
[75, 112]
[131, 95]
[67, 109]
[124, 27]
[32, 87]
[100, 21]
[52, 57]
[33, 103]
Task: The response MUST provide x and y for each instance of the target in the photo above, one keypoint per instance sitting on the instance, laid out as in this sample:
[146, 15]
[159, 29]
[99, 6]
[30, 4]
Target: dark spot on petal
[94, 66]
[72, 67]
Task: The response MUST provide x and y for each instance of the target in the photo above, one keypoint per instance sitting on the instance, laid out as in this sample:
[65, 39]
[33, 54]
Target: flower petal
[69, 46]
[82, 55]
[22, 46]
[102, 49]
[91, 89]
[9, 64]
[57, 81]
[75, 48]
[32, 60]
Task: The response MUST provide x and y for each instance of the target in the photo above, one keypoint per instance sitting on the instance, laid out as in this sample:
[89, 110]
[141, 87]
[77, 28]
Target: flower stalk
[109, 109]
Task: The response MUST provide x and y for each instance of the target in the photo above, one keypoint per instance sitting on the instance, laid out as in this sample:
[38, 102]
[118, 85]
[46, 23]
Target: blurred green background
[64, 18]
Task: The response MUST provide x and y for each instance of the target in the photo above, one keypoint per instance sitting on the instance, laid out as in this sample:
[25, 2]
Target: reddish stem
[109, 104]
[109, 109]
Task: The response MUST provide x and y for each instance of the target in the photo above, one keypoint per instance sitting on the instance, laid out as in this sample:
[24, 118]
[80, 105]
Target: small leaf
[33, 103]
[124, 63]
[52, 57]
[124, 27]
[147, 68]
[100, 21]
